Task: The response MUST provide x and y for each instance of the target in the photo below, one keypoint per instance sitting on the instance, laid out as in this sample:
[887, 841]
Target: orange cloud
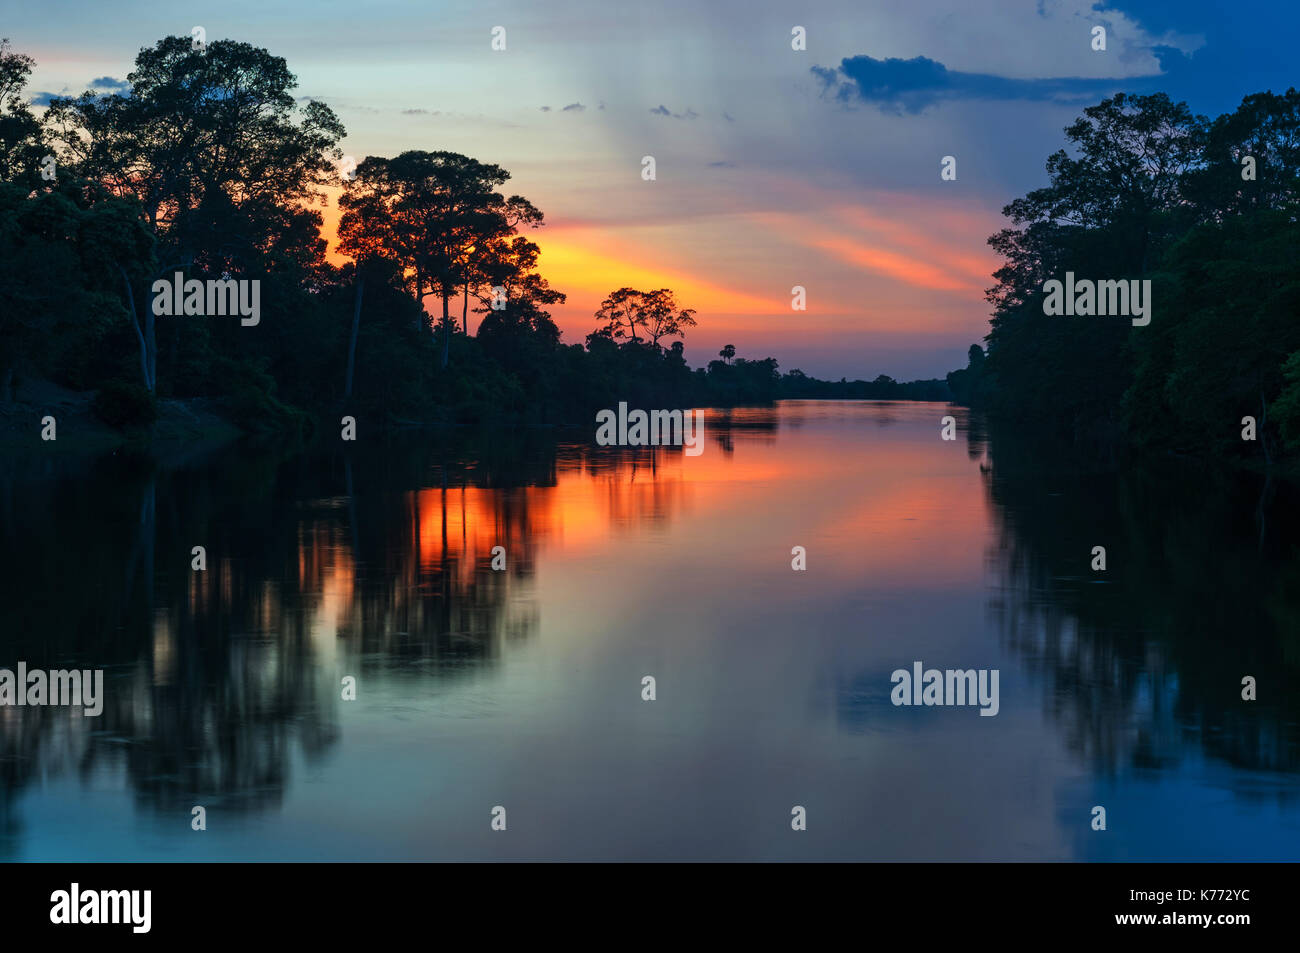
[898, 249]
[895, 265]
[976, 266]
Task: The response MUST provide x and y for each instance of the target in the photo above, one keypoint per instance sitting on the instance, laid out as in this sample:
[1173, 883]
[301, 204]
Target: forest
[1206, 210]
[211, 170]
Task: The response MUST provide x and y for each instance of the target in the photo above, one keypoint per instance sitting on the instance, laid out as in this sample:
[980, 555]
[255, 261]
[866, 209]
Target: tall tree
[1111, 204]
[20, 133]
[223, 161]
[439, 215]
[497, 257]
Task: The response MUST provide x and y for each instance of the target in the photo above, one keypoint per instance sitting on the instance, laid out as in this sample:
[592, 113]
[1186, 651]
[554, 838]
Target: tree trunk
[135, 324]
[151, 348]
[464, 310]
[352, 344]
[1262, 507]
[446, 328]
[1263, 430]
[421, 320]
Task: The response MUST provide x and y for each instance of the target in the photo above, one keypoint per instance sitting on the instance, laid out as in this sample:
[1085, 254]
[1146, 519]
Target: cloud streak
[662, 110]
[909, 86]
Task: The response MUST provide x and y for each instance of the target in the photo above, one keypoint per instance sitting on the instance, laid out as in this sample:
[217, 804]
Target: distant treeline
[211, 169]
[797, 384]
[1207, 211]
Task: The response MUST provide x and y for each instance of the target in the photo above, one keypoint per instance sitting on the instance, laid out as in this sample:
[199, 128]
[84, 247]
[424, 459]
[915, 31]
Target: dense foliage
[1150, 191]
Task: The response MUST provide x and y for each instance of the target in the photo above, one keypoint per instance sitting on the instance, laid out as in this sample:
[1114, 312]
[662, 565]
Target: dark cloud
[110, 84]
[103, 85]
[899, 86]
[727, 117]
[722, 165]
[573, 107]
[662, 110]
[546, 109]
[419, 112]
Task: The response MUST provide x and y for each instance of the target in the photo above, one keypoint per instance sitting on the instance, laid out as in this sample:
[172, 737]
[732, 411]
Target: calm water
[522, 688]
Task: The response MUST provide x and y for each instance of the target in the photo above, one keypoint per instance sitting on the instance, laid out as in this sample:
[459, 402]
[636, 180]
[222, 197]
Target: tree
[497, 257]
[20, 133]
[62, 258]
[1153, 192]
[727, 353]
[965, 384]
[655, 313]
[1107, 212]
[222, 161]
[1287, 408]
[439, 215]
[1265, 128]
[524, 312]
[1231, 293]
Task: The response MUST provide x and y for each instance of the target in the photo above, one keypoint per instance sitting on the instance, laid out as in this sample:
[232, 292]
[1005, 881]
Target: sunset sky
[775, 168]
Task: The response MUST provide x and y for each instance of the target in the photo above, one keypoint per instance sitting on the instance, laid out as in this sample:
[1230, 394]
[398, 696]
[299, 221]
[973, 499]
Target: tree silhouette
[223, 161]
[1106, 211]
[1153, 192]
[20, 133]
[438, 215]
[655, 313]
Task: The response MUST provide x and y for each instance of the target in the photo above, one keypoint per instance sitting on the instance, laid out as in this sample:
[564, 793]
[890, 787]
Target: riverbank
[183, 427]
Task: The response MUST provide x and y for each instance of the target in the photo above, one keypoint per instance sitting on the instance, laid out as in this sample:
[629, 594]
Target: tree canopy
[1204, 209]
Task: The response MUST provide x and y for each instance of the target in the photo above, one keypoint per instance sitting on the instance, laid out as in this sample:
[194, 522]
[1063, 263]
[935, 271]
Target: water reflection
[1142, 664]
[316, 567]
[223, 686]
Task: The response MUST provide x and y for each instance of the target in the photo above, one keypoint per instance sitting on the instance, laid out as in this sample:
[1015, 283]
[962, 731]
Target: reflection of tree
[317, 567]
[1143, 663]
[728, 425]
[208, 677]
